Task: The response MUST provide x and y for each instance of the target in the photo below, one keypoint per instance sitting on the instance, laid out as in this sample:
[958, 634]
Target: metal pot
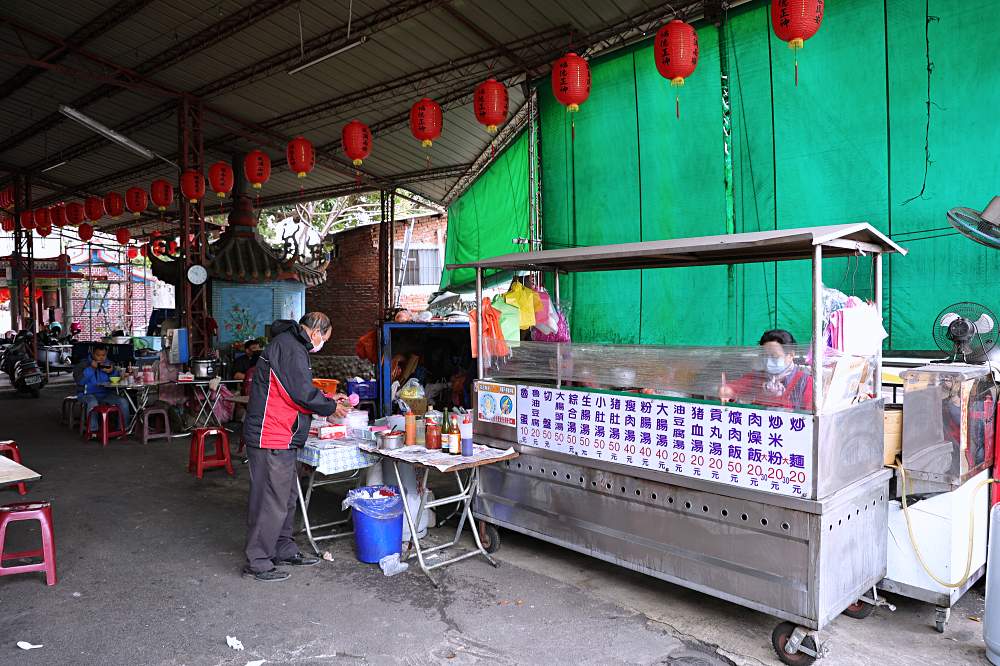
[204, 368]
[392, 440]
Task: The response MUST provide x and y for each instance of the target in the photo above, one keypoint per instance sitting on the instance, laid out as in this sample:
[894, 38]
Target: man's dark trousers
[273, 498]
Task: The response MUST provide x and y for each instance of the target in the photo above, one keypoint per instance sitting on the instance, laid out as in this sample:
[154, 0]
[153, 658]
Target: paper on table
[439, 460]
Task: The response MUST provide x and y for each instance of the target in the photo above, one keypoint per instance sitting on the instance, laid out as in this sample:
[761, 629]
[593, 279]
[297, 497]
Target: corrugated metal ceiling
[234, 54]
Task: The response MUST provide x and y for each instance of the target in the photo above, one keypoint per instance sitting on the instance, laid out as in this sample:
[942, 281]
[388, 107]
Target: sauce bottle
[410, 429]
[432, 434]
[454, 437]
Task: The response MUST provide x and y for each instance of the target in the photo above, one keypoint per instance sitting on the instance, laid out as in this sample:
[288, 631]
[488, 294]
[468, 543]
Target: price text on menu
[739, 446]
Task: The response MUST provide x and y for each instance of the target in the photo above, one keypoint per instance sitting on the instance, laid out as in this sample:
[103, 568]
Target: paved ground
[149, 559]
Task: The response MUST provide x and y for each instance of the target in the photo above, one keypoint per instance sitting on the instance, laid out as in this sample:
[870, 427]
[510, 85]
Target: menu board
[761, 449]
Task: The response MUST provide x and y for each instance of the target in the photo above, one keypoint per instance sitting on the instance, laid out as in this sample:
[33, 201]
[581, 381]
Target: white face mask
[317, 346]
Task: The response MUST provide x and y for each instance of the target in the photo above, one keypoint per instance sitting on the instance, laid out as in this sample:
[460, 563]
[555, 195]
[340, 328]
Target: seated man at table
[780, 383]
[90, 376]
[242, 365]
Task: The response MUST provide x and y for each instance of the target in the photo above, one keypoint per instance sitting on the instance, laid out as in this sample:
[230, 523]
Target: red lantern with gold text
[57, 215]
[27, 219]
[490, 104]
[795, 21]
[162, 193]
[75, 213]
[571, 81]
[123, 236]
[114, 204]
[41, 217]
[94, 207]
[86, 232]
[676, 52]
[257, 166]
[300, 156]
[357, 140]
[220, 177]
[426, 121]
[132, 252]
[192, 186]
[44, 231]
[136, 200]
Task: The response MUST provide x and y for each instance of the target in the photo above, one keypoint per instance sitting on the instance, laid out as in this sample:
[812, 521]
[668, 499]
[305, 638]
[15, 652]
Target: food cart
[797, 530]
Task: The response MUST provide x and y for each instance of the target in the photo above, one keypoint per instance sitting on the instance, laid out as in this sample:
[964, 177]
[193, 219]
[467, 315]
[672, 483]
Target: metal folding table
[425, 461]
[207, 399]
[339, 462]
[137, 396]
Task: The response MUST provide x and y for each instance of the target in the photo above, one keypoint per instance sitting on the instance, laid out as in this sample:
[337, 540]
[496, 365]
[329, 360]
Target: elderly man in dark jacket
[282, 402]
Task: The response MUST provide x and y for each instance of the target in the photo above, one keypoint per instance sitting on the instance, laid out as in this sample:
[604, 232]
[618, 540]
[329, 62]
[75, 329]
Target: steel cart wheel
[779, 638]
[859, 610]
[490, 536]
[941, 617]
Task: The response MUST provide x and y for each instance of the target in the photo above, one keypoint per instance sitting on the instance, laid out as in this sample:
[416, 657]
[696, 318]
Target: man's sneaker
[297, 560]
[266, 576]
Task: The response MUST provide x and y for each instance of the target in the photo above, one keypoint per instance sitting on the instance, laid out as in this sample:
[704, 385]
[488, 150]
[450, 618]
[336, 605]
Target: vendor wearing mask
[781, 383]
[282, 402]
[242, 365]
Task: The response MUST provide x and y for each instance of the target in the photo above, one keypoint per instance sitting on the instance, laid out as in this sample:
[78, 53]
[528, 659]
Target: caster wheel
[779, 638]
[859, 610]
[490, 536]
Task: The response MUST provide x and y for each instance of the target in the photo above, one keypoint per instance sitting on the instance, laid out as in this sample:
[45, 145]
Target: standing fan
[982, 227]
[967, 331]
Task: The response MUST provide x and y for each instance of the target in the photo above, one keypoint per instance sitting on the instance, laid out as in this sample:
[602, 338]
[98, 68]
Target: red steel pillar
[23, 263]
[193, 297]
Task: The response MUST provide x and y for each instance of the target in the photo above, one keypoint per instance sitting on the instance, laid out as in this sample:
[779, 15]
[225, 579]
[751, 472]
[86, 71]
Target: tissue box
[185, 377]
[328, 431]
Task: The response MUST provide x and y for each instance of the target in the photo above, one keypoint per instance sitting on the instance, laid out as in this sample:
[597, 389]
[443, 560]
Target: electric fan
[967, 331]
[982, 227]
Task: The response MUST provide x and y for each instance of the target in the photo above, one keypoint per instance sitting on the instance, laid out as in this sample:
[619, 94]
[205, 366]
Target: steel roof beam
[213, 34]
[115, 14]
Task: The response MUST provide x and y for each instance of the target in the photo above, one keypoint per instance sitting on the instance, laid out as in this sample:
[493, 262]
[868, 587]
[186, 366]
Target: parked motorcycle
[23, 371]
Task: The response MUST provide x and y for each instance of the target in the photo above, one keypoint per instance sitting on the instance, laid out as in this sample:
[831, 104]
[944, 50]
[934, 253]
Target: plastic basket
[365, 390]
[326, 385]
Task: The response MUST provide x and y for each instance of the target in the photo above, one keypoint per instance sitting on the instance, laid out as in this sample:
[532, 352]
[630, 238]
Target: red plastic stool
[104, 431]
[42, 512]
[148, 433]
[198, 463]
[9, 448]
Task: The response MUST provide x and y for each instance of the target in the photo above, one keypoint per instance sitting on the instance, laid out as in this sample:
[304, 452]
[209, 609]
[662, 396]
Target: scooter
[23, 371]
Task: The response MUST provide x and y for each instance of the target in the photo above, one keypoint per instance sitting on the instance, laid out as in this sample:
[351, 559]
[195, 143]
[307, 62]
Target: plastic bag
[374, 502]
[391, 565]
[411, 390]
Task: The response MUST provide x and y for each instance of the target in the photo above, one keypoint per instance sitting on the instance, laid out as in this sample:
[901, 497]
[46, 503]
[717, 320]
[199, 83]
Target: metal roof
[780, 245]
[124, 63]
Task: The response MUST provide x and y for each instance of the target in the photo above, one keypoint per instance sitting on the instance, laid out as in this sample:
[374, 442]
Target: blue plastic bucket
[378, 524]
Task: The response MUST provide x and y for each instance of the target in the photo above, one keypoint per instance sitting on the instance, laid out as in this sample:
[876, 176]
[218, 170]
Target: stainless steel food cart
[804, 558]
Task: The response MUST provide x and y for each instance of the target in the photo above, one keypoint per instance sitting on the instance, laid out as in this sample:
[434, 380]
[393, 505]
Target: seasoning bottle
[445, 432]
[432, 434]
[410, 429]
[467, 430]
[455, 437]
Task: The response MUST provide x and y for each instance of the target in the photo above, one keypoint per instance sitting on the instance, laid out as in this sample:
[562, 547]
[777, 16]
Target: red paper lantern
[132, 252]
[27, 219]
[7, 197]
[162, 193]
[57, 215]
[86, 232]
[41, 216]
[75, 213]
[426, 121]
[173, 247]
[300, 156]
[571, 81]
[7, 223]
[123, 236]
[44, 231]
[220, 176]
[157, 247]
[357, 140]
[192, 186]
[676, 51]
[490, 104]
[143, 251]
[136, 200]
[257, 166]
[795, 21]
[94, 208]
[114, 204]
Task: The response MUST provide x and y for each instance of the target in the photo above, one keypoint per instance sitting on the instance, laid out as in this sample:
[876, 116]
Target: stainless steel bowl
[392, 440]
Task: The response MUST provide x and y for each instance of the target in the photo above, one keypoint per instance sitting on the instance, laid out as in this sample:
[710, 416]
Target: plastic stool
[42, 512]
[104, 431]
[9, 448]
[71, 409]
[148, 435]
[198, 463]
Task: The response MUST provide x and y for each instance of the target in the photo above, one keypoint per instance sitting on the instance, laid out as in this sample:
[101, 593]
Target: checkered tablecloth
[333, 456]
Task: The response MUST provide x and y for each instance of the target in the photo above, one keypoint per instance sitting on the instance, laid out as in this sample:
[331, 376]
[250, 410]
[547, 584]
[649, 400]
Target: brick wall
[350, 294]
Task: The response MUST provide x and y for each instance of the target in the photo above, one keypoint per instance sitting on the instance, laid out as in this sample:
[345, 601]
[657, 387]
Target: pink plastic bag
[562, 335]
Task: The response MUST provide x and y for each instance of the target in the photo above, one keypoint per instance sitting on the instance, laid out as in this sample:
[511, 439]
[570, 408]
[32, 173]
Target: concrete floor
[149, 561]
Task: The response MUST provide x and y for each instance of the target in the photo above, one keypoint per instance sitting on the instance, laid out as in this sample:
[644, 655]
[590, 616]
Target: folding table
[340, 462]
[137, 396]
[425, 460]
[208, 399]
